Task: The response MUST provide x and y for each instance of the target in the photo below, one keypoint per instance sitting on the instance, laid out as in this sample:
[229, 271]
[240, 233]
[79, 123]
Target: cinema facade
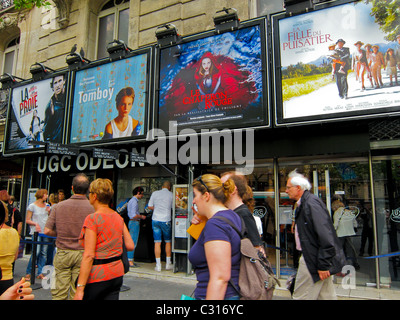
[258, 95]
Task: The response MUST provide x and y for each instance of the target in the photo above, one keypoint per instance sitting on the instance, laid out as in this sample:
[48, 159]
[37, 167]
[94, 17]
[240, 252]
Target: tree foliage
[29, 4]
[302, 70]
[387, 15]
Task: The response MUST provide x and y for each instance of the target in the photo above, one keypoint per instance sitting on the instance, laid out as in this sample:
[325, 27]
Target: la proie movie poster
[36, 114]
[213, 82]
[109, 101]
[338, 61]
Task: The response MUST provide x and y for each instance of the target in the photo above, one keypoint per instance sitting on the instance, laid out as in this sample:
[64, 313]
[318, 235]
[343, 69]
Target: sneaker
[158, 268]
[168, 266]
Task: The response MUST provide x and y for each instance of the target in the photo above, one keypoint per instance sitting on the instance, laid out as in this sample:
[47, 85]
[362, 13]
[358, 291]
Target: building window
[113, 24]
[10, 57]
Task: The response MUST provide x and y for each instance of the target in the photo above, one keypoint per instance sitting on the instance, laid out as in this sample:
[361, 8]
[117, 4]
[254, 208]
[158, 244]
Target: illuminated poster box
[214, 80]
[334, 63]
[110, 101]
[36, 114]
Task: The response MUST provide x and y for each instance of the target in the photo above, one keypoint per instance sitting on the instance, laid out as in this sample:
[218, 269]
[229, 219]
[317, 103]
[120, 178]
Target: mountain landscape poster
[335, 63]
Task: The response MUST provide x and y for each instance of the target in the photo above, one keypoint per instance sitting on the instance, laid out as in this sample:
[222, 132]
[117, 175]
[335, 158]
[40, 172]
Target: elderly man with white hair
[316, 238]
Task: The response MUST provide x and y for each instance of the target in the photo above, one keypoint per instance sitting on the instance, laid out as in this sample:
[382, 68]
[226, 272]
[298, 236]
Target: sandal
[28, 277]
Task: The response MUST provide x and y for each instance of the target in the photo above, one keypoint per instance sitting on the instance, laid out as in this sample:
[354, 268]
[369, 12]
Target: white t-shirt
[120, 134]
[39, 215]
[161, 200]
[344, 222]
[259, 225]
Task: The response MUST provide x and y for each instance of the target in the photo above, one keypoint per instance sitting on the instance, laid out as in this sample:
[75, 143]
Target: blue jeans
[134, 228]
[161, 229]
[41, 256]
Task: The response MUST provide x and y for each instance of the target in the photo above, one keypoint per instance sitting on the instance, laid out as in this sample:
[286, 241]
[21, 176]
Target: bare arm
[50, 232]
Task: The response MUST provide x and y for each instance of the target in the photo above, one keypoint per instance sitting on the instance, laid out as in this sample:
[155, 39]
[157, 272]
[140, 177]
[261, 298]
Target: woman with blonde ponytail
[216, 253]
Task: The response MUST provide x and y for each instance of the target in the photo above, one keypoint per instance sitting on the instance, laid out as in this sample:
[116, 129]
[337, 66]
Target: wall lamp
[167, 34]
[226, 20]
[39, 71]
[7, 80]
[117, 49]
[298, 6]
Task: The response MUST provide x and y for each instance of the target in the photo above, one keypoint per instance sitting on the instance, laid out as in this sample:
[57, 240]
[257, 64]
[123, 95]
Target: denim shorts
[161, 229]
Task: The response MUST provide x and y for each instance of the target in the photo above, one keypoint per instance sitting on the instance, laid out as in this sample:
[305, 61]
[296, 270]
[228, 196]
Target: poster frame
[147, 122]
[266, 99]
[278, 108]
[11, 152]
[182, 235]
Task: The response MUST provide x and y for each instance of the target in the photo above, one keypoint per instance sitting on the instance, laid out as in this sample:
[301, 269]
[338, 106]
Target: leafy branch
[29, 4]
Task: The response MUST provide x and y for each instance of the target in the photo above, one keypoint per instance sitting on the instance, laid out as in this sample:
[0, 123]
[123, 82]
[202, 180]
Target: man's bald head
[80, 184]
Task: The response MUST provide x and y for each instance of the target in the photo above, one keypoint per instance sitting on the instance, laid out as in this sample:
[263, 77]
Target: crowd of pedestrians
[92, 239]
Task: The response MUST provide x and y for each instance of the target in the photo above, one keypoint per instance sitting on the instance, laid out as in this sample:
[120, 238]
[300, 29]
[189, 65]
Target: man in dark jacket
[316, 238]
[341, 68]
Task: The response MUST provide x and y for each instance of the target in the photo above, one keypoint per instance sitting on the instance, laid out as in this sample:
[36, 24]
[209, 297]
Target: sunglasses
[202, 182]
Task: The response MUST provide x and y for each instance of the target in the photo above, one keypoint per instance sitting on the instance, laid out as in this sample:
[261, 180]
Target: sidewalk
[146, 270]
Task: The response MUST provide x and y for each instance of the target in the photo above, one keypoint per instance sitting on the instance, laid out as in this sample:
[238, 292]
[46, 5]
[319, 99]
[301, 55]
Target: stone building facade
[47, 34]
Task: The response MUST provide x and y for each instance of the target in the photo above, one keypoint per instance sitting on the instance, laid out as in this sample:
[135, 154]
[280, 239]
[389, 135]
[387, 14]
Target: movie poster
[110, 101]
[337, 62]
[213, 82]
[181, 211]
[36, 114]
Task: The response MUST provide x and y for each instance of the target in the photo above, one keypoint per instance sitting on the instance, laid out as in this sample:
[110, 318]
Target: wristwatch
[80, 285]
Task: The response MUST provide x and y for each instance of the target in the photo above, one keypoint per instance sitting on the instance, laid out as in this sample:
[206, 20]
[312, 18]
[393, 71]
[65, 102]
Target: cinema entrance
[338, 181]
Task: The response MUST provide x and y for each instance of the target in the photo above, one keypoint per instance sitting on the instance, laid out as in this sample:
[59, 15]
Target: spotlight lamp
[117, 49]
[39, 71]
[76, 60]
[226, 20]
[7, 81]
[298, 6]
[167, 34]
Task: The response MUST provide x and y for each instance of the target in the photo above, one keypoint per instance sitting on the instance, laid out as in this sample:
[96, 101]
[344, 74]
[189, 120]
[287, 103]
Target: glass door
[289, 255]
[386, 173]
[344, 186]
[261, 180]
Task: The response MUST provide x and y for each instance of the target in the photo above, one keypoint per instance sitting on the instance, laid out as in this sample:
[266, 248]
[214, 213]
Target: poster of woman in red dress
[213, 82]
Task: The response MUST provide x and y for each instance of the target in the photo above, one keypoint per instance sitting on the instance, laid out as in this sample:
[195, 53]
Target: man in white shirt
[161, 204]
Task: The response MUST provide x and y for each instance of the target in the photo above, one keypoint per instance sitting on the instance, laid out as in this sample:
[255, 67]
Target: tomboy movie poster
[337, 61]
[214, 81]
[37, 113]
[109, 101]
